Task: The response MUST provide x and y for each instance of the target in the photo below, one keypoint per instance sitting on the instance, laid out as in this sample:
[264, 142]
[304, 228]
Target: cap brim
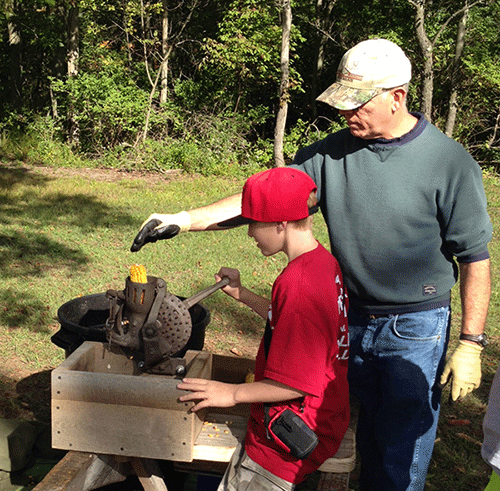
[235, 222]
[346, 98]
[241, 220]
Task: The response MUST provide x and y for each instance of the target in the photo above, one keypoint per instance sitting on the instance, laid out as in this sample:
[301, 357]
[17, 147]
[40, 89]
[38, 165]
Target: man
[402, 203]
[301, 365]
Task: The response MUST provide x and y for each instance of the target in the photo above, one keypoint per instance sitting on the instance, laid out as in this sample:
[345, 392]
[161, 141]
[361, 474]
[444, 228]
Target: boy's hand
[210, 393]
[233, 289]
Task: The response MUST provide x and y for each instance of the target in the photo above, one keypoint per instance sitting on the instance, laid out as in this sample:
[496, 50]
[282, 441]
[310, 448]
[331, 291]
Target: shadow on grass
[26, 399]
[31, 244]
[20, 308]
[31, 253]
[11, 175]
[34, 393]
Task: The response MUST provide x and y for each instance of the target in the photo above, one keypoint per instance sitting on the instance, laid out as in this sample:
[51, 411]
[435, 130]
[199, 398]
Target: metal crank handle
[198, 297]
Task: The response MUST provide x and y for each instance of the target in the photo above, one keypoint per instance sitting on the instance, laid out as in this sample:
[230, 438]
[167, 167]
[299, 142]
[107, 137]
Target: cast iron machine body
[152, 324]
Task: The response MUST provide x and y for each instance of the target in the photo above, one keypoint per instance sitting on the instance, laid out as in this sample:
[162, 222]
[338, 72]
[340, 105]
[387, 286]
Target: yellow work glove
[464, 369]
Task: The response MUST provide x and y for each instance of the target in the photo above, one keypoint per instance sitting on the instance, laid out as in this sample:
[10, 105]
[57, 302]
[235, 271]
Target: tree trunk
[279, 131]
[73, 55]
[14, 57]
[427, 54]
[427, 47]
[496, 131]
[164, 54]
[459, 48]
[323, 23]
[168, 46]
[126, 30]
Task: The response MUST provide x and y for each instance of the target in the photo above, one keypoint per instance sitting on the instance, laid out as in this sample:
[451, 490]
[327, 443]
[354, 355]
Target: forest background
[197, 84]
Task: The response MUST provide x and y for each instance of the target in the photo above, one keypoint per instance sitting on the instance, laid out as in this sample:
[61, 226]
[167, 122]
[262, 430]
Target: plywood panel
[108, 412]
[123, 430]
[219, 436]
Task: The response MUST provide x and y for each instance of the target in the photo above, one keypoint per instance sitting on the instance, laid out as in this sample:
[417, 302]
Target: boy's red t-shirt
[308, 351]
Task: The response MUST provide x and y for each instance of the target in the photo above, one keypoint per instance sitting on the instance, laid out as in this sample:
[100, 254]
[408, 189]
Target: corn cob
[138, 274]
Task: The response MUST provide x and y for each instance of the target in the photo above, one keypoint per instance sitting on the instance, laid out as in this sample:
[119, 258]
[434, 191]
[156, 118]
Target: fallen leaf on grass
[236, 351]
[469, 439]
[458, 422]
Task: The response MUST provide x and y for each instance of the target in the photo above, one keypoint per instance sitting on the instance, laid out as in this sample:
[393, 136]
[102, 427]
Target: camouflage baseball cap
[365, 71]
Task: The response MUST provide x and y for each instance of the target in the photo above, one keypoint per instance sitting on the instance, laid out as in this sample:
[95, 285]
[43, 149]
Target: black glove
[149, 233]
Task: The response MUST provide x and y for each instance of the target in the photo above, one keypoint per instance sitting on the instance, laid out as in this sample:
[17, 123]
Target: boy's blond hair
[306, 223]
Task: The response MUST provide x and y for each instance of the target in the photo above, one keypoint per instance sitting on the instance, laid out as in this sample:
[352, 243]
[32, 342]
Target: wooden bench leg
[149, 474]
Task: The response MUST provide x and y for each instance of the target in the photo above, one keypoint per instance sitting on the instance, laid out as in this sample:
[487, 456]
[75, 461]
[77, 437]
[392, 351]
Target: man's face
[374, 119]
[269, 239]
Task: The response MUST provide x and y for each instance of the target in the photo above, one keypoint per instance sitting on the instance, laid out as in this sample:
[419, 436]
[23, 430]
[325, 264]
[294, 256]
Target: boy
[490, 449]
[302, 360]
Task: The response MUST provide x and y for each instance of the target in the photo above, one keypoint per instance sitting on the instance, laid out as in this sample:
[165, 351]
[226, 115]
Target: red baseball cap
[275, 195]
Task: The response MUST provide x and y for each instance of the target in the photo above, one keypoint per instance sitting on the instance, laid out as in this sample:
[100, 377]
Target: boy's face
[268, 236]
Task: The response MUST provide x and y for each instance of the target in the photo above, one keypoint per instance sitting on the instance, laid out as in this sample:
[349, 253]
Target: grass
[66, 234]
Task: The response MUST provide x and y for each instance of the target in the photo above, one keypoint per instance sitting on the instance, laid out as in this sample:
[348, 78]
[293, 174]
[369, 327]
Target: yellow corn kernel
[138, 274]
[250, 377]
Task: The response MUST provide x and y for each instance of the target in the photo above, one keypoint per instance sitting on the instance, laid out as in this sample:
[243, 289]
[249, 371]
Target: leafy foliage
[223, 74]
[480, 99]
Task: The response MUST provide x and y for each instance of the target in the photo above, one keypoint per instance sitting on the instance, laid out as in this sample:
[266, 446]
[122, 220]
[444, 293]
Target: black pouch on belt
[291, 433]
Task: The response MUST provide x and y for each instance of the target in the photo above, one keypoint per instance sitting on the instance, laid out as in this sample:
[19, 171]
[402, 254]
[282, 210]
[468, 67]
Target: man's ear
[398, 98]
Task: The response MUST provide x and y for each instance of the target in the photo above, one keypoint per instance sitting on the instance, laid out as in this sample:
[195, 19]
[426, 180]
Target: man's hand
[464, 369]
[159, 227]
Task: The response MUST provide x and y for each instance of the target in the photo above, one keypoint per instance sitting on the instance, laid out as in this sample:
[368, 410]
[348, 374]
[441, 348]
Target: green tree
[479, 94]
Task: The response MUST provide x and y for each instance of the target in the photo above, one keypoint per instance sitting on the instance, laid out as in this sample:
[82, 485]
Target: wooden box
[102, 404]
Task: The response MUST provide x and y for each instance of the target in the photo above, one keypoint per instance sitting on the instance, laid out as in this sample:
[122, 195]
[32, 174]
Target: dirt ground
[109, 175]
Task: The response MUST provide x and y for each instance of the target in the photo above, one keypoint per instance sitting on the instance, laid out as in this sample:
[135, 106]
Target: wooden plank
[231, 369]
[221, 433]
[123, 414]
[81, 359]
[130, 431]
[149, 474]
[345, 458]
[218, 437]
[148, 390]
[78, 471]
[199, 364]
[112, 359]
[156, 391]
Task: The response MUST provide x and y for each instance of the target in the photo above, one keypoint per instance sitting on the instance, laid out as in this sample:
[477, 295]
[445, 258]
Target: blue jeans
[394, 369]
